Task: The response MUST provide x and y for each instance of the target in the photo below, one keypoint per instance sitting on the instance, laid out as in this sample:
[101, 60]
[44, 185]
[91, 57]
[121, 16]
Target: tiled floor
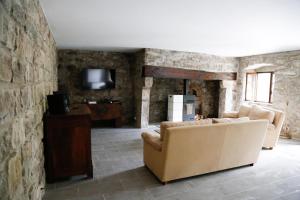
[119, 174]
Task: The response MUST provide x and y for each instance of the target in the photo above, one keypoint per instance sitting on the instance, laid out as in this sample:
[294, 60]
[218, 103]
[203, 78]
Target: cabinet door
[70, 150]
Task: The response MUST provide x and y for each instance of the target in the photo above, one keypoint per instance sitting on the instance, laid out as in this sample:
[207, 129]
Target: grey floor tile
[119, 174]
[292, 196]
[129, 195]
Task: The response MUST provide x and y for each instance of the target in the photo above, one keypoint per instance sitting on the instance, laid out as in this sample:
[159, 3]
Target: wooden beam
[170, 72]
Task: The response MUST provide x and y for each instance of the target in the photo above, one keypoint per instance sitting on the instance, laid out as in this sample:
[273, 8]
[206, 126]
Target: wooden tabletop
[79, 109]
[75, 110]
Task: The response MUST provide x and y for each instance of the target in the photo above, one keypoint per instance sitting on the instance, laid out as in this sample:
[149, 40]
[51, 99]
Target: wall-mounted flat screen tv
[98, 78]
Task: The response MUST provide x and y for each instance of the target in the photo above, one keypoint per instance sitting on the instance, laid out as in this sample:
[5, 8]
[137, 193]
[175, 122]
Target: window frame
[255, 89]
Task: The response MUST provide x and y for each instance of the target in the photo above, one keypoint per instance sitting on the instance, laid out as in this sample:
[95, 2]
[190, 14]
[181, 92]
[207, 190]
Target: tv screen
[98, 79]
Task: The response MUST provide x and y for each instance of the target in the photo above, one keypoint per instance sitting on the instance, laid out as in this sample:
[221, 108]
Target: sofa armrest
[152, 139]
[231, 114]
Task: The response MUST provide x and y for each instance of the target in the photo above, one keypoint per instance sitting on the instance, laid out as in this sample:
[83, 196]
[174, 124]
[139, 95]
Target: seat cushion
[244, 111]
[229, 120]
[261, 113]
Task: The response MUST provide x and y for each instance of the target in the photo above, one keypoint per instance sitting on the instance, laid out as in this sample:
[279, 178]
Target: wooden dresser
[67, 144]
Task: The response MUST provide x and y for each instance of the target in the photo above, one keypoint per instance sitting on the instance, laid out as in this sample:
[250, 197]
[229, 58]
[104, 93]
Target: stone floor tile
[119, 173]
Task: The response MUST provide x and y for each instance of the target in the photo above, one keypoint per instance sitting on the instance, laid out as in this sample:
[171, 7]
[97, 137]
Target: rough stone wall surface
[140, 87]
[71, 64]
[207, 97]
[190, 60]
[162, 87]
[286, 93]
[28, 72]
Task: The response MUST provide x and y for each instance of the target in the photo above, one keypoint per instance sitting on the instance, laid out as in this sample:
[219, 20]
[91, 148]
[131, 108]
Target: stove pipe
[186, 86]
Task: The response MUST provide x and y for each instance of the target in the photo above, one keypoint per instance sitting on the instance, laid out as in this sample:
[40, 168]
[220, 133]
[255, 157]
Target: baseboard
[295, 138]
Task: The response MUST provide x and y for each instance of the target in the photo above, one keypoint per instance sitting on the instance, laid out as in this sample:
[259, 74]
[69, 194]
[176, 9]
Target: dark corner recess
[170, 72]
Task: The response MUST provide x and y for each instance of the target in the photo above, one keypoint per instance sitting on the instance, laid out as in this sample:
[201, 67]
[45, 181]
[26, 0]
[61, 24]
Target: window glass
[263, 87]
[250, 87]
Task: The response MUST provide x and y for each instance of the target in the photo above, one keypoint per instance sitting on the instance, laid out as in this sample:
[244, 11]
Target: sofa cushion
[244, 111]
[261, 113]
[168, 124]
[229, 120]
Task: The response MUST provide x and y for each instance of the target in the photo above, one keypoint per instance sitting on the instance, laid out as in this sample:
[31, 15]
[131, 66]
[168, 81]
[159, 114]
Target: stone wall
[286, 94]
[177, 59]
[28, 72]
[72, 62]
[190, 60]
[141, 90]
[207, 97]
[206, 92]
[161, 88]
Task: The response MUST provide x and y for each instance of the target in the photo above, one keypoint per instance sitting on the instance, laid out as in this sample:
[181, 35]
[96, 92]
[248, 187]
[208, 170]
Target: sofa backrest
[169, 124]
[192, 150]
[244, 110]
[259, 112]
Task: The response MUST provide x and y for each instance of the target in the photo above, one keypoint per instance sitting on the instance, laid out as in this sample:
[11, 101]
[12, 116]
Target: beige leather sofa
[275, 118]
[198, 149]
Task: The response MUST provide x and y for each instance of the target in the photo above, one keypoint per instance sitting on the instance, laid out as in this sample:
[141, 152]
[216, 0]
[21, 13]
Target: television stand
[107, 111]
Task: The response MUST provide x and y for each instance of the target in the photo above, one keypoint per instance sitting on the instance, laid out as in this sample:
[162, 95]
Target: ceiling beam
[177, 73]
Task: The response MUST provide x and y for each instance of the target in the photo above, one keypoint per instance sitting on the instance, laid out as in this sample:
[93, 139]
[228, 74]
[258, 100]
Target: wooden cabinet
[107, 111]
[67, 144]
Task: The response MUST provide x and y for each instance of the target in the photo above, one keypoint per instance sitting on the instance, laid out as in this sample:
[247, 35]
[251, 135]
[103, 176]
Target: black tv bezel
[83, 77]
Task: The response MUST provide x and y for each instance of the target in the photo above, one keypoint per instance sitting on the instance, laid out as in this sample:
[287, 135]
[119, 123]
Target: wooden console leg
[90, 173]
[118, 122]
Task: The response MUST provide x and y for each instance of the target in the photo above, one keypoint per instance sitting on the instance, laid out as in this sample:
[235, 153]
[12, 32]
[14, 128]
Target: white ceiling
[226, 28]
